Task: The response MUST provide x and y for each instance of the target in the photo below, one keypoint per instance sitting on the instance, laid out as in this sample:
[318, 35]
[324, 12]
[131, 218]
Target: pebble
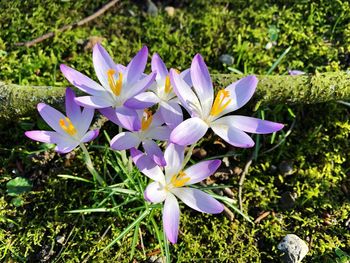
[227, 59]
[152, 9]
[170, 11]
[294, 248]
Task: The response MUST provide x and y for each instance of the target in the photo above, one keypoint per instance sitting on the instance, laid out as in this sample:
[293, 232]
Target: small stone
[287, 200]
[226, 161]
[170, 11]
[227, 59]
[152, 9]
[294, 248]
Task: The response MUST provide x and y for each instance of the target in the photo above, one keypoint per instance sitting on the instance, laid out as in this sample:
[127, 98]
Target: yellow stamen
[146, 119]
[68, 126]
[179, 180]
[219, 104]
[168, 87]
[116, 87]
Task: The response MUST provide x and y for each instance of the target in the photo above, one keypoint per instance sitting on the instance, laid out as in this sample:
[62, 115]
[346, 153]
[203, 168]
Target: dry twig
[68, 27]
[241, 181]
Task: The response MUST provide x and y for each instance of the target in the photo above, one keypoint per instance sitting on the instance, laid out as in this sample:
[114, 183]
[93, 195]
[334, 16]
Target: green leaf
[17, 201]
[18, 186]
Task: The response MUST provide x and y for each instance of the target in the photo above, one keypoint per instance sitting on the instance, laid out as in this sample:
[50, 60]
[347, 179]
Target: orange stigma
[116, 86]
[68, 126]
[167, 87]
[146, 120]
[179, 180]
[219, 102]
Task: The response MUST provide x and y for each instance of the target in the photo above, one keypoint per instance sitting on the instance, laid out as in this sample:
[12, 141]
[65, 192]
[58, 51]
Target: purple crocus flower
[70, 130]
[150, 129]
[173, 183]
[118, 83]
[208, 112]
[161, 92]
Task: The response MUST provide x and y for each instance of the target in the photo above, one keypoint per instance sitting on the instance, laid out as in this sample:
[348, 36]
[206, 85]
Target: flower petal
[198, 200]
[201, 170]
[138, 86]
[136, 66]
[185, 94]
[231, 134]
[66, 147]
[86, 118]
[189, 131]
[44, 136]
[296, 72]
[52, 117]
[81, 81]
[124, 141]
[171, 112]
[254, 125]
[124, 117]
[174, 156]
[241, 92]
[102, 63]
[155, 193]
[186, 76]
[171, 218]
[73, 110]
[152, 150]
[90, 135]
[95, 102]
[202, 83]
[161, 133]
[142, 101]
[147, 166]
[158, 66]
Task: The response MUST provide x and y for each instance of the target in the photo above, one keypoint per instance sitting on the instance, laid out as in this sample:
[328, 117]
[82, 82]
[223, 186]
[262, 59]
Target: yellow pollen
[116, 87]
[167, 84]
[219, 102]
[179, 180]
[146, 120]
[68, 126]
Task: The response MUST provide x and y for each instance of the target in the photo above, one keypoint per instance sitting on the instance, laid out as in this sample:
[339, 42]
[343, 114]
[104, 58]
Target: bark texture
[20, 101]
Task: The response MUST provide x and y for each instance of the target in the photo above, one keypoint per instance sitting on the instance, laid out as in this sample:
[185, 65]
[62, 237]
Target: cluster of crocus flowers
[148, 110]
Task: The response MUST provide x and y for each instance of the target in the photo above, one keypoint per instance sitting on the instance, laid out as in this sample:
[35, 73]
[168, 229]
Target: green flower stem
[188, 155]
[123, 152]
[90, 166]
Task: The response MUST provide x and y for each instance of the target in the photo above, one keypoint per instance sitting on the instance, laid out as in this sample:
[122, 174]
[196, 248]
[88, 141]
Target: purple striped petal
[81, 81]
[94, 102]
[202, 83]
[152, 150]
[90, 135]
[52, 117]
[202, 170]
[185, 94]
[66, 147]
[102, 63]
[136, 66]
[147, 166]
[142, 101]
[171, 218]
[161, 133]
[139, 86]
[253, 125]
[241, 92]
[174, 156]
[73, 110]
[189, 131]
[128, 118]
[86, 118]
[186, 76]
[44, 136]
[172, 113]
[155, 193]
[231, 134]
[198, 200]
[124, 141]
[158, 66]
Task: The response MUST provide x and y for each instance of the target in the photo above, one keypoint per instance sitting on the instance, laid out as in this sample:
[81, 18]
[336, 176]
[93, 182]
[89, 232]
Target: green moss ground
[317, 149]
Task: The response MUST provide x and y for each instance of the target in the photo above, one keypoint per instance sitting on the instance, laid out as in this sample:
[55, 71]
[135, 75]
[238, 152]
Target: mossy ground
[312, 163]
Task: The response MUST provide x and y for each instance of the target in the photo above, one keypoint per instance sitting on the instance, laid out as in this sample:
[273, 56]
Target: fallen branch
[68, 27]
[19, 101]
[241, 181]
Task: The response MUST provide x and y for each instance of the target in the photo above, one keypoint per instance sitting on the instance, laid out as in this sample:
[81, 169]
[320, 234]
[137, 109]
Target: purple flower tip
[40, 106]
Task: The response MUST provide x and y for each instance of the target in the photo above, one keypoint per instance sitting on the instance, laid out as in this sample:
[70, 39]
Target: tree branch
[19, 101]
